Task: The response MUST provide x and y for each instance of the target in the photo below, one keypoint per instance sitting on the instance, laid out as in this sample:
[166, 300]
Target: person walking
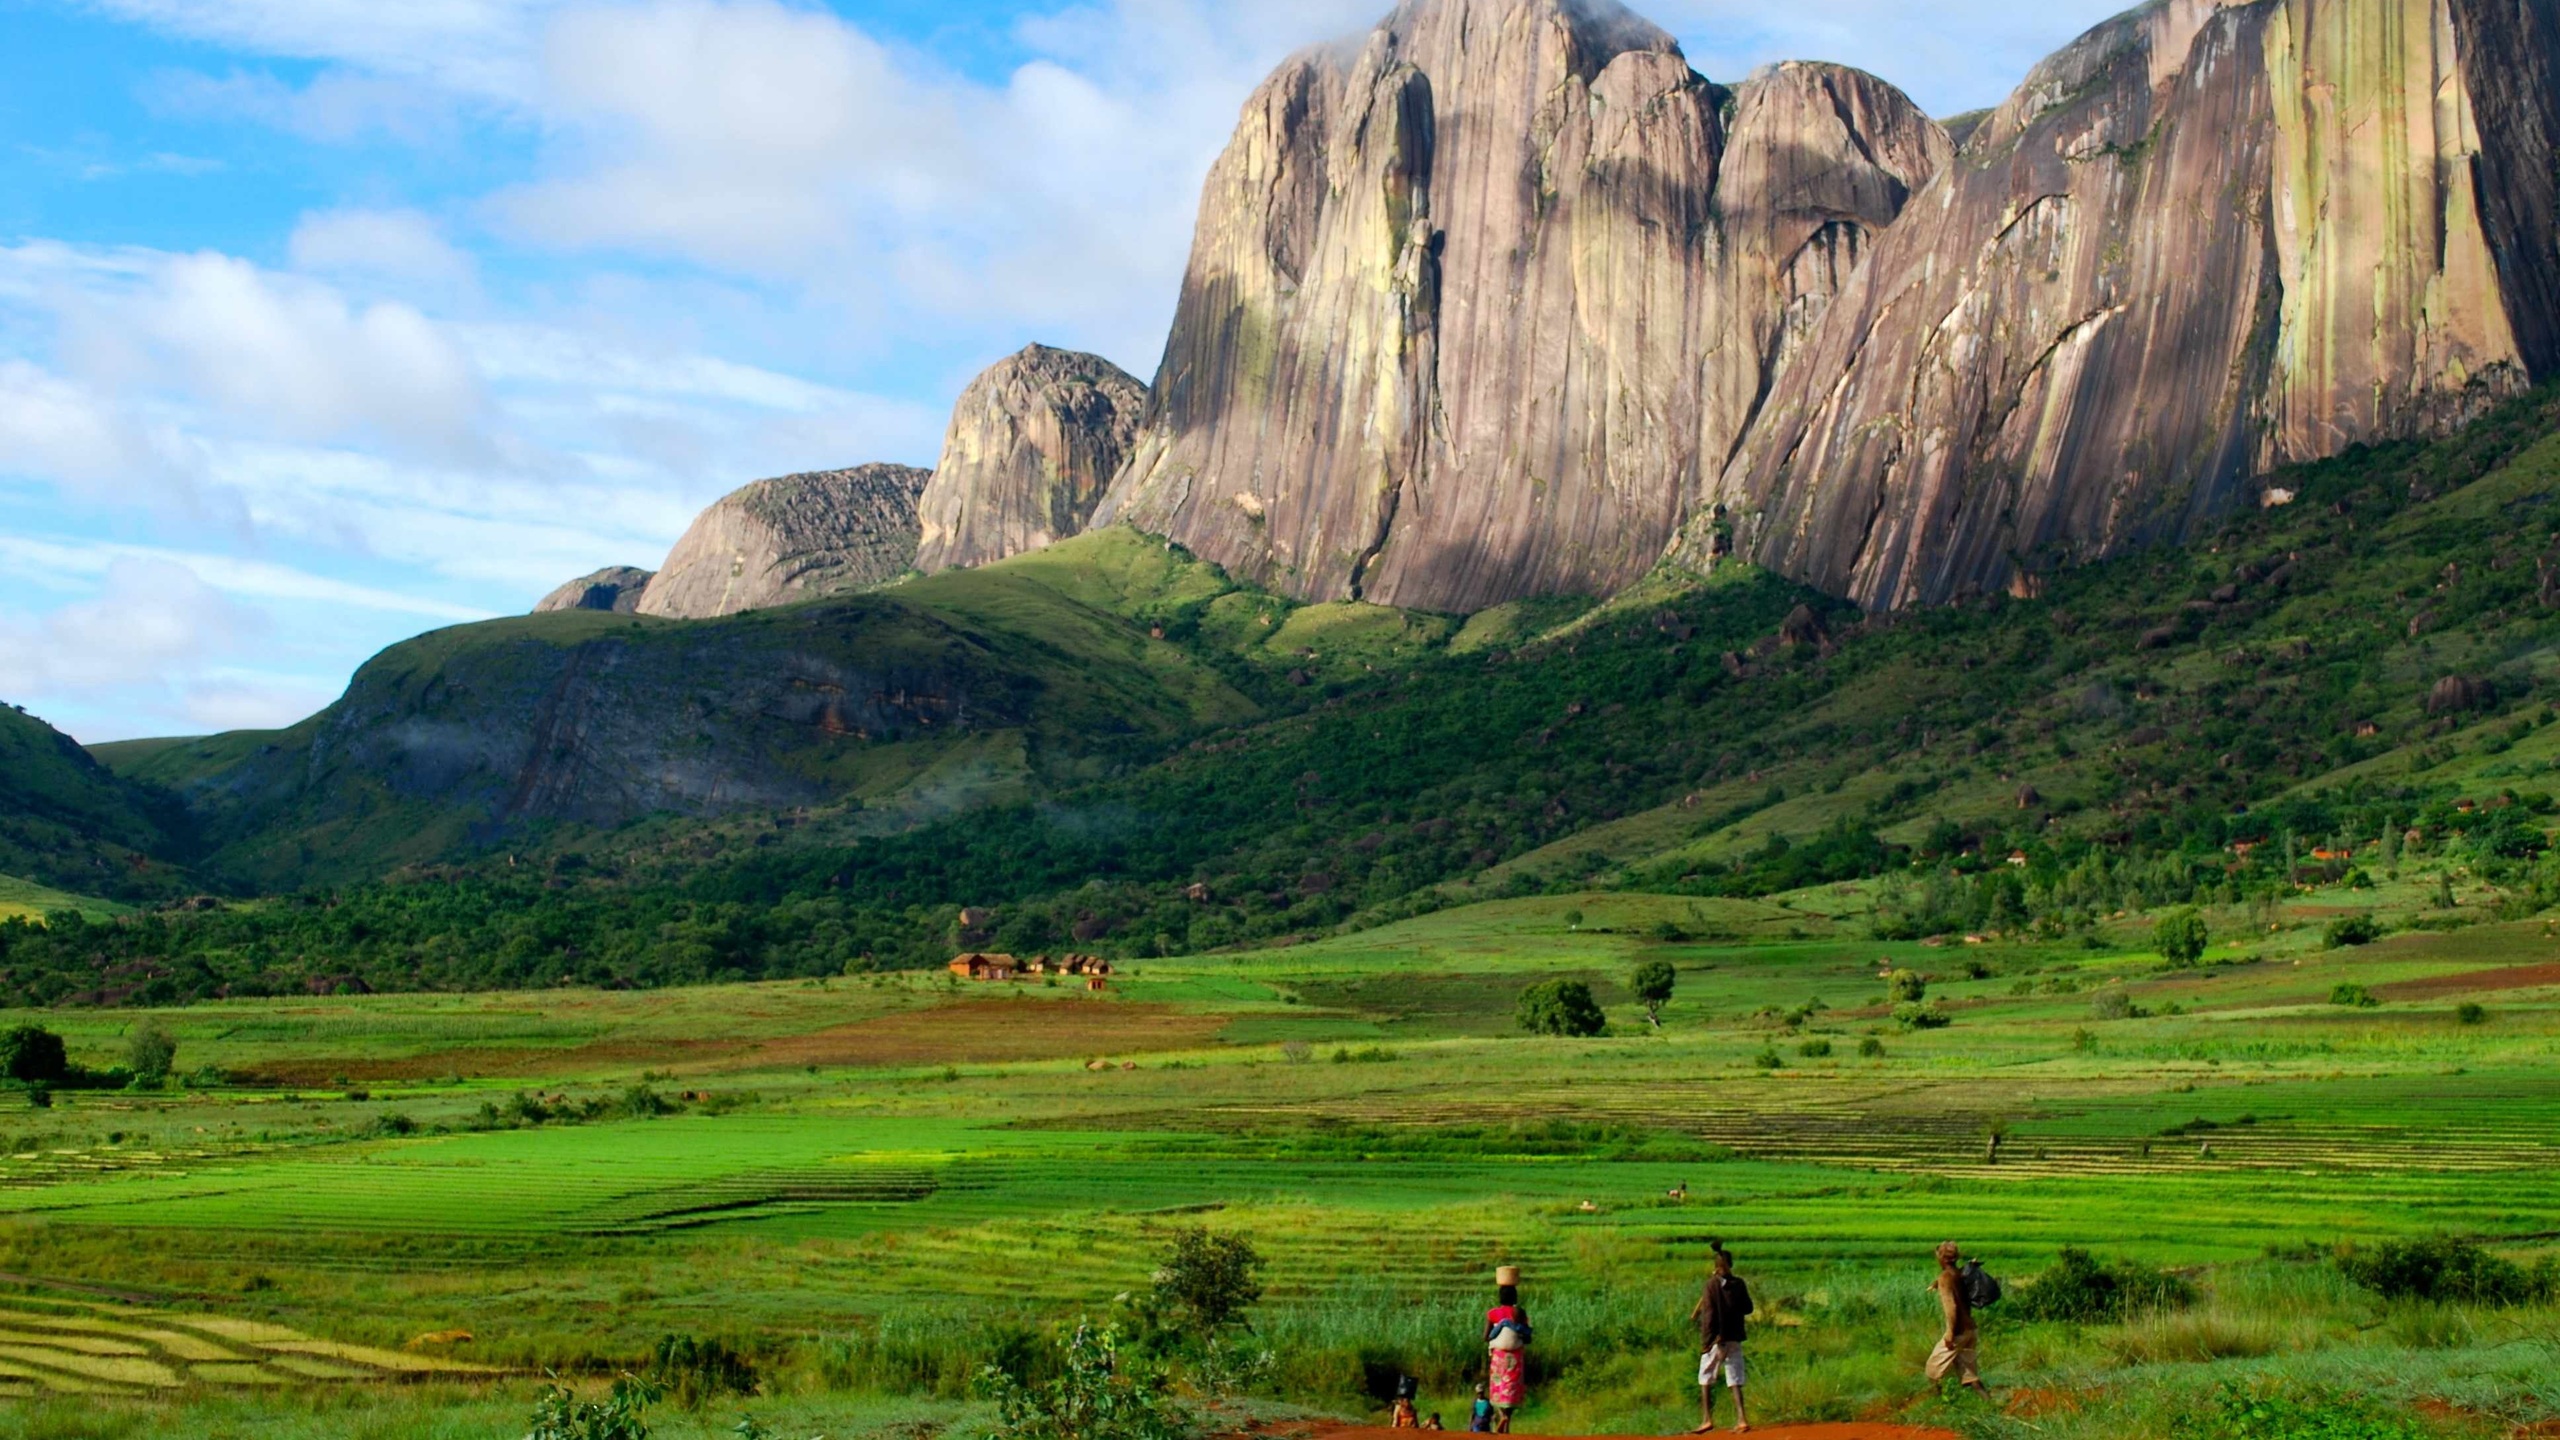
[1506, 1343]
[1958, 1352]
[1720, 1316]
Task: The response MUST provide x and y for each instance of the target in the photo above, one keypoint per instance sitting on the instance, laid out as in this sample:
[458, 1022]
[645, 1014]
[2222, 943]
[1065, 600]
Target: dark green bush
[2349, 930]
[2443, 1268]
[1096, 1393]
[1932, 1016]
[34, 1056]
[693, 1370]
[1561, 1007]
[2084, 1289]
[1871, 1048]
[622, 1415]
[2180, 938]
[2354, 997]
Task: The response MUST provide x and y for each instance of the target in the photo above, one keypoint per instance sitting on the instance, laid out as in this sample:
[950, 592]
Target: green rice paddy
[871, 1158]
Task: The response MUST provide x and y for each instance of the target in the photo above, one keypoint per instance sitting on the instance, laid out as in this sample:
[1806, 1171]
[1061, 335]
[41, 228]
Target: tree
[1097, 1393]
[1207, 1281]
[150, 1053]
[1906, 987]
[34, 1056]
[1653, 983]
[2180, 938]
[1561, 1007]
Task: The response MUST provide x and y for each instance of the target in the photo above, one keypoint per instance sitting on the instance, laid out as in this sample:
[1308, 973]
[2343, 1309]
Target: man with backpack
[1960, 1292]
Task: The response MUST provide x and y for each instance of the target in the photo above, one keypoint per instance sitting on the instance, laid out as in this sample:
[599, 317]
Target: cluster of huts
[1094, 970]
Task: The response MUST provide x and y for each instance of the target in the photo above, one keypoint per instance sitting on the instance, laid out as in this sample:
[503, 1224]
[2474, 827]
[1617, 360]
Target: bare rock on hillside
[800, 537]
[615, 589]
[1469, 316]
[1033, 443]
[2204, 240]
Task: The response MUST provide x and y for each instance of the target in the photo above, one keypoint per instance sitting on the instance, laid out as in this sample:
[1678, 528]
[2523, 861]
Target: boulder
[797, 538]
[616, 589]
[1033, 443]
[2457, 694]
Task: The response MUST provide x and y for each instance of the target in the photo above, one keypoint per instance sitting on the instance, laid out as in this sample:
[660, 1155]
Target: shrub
[2348, 930]
[693, 1370]
[1931, 1016]
[2471, 1012]
[2111, 1005]
[1206, 1281]
[1814, 1049]
[1653, 983]
[2353, 996]
[2271, 1413]
[1906, 987]
[1097, 1394]
[2083, 1289]
[1561, 1007]
[1871, 1048]
[2442, 1268]
[2180, 938]
[560, 1415]
[151, 1052]
[34, 1056]
[1768, 1060]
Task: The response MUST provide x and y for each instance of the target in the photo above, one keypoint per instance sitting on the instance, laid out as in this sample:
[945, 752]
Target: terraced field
[812, 1164]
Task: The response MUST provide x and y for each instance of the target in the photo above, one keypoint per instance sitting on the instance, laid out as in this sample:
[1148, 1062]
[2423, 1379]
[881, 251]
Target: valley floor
[877, 1184]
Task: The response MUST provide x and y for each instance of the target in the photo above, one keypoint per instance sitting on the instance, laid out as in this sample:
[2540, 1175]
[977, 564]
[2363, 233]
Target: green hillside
[68, 823]
[1161, 762]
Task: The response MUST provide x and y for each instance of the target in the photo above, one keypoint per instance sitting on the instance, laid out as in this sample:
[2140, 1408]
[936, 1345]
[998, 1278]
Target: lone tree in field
[2180, 938]
[1206, 1281]
[33, 1056]
[1906, 987]
[1653, 983]
[1561, 1007]
[151, 1052]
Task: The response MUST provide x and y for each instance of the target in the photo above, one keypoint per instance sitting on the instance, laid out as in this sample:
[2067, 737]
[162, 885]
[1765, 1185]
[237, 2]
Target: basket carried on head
[1506, 1275]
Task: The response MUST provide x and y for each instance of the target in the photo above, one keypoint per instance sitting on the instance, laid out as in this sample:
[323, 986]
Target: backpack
[1980, 1290]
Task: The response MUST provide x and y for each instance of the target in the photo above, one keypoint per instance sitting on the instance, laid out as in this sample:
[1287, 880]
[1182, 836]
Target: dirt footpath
[1852, 1431]
[1860, 1430]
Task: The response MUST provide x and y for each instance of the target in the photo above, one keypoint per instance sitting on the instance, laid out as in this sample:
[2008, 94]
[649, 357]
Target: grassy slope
[68, 823]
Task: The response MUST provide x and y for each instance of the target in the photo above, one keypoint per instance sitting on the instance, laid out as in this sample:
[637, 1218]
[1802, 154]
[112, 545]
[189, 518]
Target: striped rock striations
[1033, 443]
[2202, 241]
[616, 589]
[801, 537]
[1469, 315]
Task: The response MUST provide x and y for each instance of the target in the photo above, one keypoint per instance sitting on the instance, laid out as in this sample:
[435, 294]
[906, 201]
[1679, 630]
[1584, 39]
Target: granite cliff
[1033, 442]
[1479, 306]
[800, 537]
[616, 590]
[2203, 241]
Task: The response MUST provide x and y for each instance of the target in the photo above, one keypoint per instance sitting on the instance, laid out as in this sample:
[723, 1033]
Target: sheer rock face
[2204, 240]
[1468, 317]
[801, 537]
[616, 589]
[1033, 443]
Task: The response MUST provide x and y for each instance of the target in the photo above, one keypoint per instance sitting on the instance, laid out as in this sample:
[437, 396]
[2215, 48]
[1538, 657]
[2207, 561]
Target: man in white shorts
[1721, 1331]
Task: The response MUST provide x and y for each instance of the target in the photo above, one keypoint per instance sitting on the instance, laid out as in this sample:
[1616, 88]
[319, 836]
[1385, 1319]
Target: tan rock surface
[777, 542]
[2201, 241]
[615, 588]
[1033, 443]
[1464, 320]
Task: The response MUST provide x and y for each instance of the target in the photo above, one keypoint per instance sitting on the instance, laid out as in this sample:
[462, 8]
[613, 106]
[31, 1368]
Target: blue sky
[326, 322]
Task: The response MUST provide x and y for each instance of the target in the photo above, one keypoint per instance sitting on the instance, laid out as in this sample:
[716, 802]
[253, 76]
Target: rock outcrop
[801, 537]
[616, 589]
[1033, 444]
[2204, 240]
[1474, 311]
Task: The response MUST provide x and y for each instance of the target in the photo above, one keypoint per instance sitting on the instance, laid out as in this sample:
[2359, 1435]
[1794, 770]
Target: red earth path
[1852, 1431]
[1856, 1430]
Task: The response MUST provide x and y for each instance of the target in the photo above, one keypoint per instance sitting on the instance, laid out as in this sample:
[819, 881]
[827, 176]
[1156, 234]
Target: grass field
[25, 899]
[874, 1184]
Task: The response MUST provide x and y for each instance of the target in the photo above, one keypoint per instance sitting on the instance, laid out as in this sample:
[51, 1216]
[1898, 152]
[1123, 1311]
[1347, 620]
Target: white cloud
[390, 244]
[77, 564]
[472, 47]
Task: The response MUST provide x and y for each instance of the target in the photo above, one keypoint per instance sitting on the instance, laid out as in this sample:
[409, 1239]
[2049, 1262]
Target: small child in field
[1404, 1416]
[1480, 1419]
[1434, 1422]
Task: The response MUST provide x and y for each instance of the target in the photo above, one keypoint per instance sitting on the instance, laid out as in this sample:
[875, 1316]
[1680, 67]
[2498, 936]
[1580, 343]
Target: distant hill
[69, 823]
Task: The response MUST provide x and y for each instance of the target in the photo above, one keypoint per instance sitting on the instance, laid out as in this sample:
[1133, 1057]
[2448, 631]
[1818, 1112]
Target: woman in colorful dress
[1506, 1341]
